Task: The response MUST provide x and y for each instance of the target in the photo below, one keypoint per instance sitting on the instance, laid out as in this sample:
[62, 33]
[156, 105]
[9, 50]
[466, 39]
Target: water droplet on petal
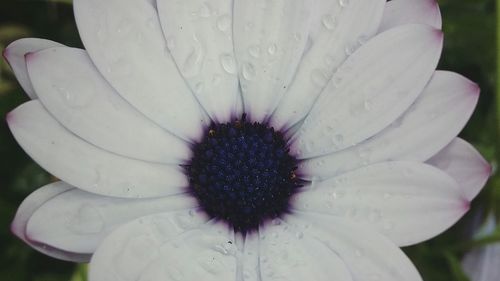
[343, 3]
[228, 63]
[329, 22]
[254, 51]
[248, 71]
[205, 10]
[223, 23]
[200, 86]
[194, 60]
[272, 49]
[171, 43]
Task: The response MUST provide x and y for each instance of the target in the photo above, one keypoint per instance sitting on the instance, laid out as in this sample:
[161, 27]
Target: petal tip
[439, 34]
[488, 169]
[465, 205]
[5, 54]
[16, 230]
[9, 117]
[474, 88]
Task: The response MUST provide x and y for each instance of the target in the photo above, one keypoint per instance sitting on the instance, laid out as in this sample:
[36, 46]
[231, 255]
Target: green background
[470, 49]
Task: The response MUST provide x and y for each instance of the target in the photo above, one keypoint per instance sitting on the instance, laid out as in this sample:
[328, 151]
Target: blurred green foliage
[469, 27]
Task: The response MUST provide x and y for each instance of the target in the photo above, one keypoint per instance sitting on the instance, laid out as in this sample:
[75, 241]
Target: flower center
[242, 173]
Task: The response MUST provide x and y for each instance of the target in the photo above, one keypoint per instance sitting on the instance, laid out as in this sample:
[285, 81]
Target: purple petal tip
[5, 54]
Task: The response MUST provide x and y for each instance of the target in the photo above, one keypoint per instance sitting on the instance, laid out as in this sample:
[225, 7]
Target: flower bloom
[244, 140]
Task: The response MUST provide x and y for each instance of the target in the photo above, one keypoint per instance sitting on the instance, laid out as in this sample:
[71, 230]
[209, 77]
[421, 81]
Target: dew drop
[349, 50]
[194, 60]
[343, 3]
[367, 104]
[329, 60]
[205, 10]
[216, 79]
[254, 51]
[171, 43]
[329, 22]
[223, 23]
[78, 99]
[272, 49]
[200, 86]
[359, 253]
[123, 28]
[248, 71]
[228, 63]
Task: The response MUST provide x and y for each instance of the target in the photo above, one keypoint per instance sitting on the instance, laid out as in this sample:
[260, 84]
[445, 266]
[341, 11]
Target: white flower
[481, 263]
[165, 177]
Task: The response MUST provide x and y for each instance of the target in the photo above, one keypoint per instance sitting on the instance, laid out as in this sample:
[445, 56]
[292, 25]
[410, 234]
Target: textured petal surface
[399, 12]
[26, 210]
[74, 92]
[463, 162]
[199, 37]
[407, 201]
[435, 118]
[286, 254]
[250, 260]
[367, 254]
[77, 221]
[337, 29]
[125, 41]
[158, 247]
[85, 166]
[371, 89]
[15, 56]
[269, 39]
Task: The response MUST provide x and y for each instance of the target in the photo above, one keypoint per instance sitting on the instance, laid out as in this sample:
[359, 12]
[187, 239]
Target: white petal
[436, 117]
[26, 210]
[368, 255]
[287, 254]
[407, 201]
[125, 41]
[462, 162]
[481, 264]
[269, 39]
[14, 55]
[74, 92]
[199, 37]
[399, 12]
[371, 89]
[337, 30]
[77, 221]
[85, 166]
[157, 247]
[249, 262]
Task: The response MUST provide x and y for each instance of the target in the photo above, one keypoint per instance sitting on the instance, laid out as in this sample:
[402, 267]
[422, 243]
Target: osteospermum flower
[244, 140]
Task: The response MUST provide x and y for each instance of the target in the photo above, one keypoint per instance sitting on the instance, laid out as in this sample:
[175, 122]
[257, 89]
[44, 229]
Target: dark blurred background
[470, 49]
